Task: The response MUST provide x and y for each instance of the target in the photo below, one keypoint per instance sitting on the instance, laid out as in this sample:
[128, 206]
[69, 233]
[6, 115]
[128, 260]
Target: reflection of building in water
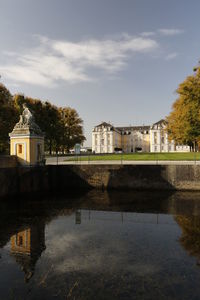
[27, 246]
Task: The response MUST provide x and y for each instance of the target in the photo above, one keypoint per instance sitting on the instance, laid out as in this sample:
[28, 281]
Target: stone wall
[165, 177]
[8, 161]
[20, 180]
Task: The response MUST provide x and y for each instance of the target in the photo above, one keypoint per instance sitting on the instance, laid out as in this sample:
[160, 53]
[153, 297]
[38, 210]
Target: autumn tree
[184, 119]
[190, 238]
[8, 118]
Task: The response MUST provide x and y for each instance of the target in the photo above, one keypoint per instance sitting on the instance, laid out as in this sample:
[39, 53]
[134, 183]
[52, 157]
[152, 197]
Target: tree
[52, 126]
[72, 131]
[62, 126]
[184, 119]
[47, 116]
[8, 118]
[190, 238]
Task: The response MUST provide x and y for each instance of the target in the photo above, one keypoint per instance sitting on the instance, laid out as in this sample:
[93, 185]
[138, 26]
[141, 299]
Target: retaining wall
[21, 180]
[8, 161]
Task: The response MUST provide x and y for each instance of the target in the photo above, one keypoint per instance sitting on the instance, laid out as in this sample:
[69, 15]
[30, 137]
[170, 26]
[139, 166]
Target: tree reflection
[190, 238]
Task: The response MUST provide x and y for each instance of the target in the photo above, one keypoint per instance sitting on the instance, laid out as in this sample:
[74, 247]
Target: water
[119, 245]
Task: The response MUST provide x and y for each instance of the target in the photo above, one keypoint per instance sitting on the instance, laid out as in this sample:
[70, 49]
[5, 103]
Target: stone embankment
[19, 180]
[7, 161]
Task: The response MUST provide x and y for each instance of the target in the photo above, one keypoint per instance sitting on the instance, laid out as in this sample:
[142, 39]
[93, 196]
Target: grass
[140, 156]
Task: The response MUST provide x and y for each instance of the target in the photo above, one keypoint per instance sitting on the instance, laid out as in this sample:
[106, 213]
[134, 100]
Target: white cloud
[171, 56]
[170, 32]
[54, 60]
[148, 33]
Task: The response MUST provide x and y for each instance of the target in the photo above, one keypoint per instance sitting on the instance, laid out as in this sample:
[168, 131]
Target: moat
[101, 245]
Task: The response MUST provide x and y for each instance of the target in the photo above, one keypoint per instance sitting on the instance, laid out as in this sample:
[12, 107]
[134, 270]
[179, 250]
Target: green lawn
[140, 156]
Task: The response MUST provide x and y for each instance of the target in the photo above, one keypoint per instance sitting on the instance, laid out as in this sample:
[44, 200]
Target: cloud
[171, 56]
[170, 32]
[55, 60]
[148, 33]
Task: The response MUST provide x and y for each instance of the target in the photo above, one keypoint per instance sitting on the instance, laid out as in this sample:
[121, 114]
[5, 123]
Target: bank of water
[101, 245]
[20, 180]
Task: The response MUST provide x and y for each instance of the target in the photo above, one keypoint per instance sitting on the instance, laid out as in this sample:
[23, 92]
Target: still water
[116, 245]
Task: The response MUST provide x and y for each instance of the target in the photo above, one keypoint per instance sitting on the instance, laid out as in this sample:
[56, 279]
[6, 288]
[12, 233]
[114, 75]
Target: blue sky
[118, 61]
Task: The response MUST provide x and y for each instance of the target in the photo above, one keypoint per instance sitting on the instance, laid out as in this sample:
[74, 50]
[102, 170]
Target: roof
[133, 128]
[160, 122]
[104, 124]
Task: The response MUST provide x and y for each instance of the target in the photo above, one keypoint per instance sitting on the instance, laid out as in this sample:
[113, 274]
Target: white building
[159, 138]
[105, 138]
[159, 141]
[109, 139]
[134, 138]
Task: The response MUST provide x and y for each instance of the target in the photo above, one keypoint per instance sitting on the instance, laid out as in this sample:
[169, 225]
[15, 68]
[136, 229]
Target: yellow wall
[33, 149]
[21, 242]
[117, 139]
[125, 141]
[24, 157]
[29, 149]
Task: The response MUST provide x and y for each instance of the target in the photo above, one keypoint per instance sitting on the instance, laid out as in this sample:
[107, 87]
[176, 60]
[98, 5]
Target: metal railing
[156, 158]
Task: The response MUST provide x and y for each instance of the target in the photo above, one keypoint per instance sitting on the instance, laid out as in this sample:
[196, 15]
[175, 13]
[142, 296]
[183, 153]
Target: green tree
[8, 118]
[184, 119]
[52, 126]
[72, 128]
[62, 126]
[47, 116]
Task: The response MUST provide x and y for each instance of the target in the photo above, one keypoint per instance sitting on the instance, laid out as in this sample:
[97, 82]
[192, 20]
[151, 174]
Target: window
[163, 140]
[19, 240]
[20, 149]
[95, 141]
[155, 148]
[155, 137]
[109, 139]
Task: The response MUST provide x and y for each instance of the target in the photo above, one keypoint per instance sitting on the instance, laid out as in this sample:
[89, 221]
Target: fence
[127, 158]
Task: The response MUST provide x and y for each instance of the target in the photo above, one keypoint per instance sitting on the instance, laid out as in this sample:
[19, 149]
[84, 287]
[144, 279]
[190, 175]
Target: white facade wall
[102, 140]
[159, 140]
[105, 138]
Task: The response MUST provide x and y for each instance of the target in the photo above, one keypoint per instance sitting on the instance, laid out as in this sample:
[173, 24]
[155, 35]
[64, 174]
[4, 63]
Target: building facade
[109, 139]
[159, 138]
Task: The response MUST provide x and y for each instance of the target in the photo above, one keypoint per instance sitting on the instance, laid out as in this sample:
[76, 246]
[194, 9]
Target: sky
[118, 61]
